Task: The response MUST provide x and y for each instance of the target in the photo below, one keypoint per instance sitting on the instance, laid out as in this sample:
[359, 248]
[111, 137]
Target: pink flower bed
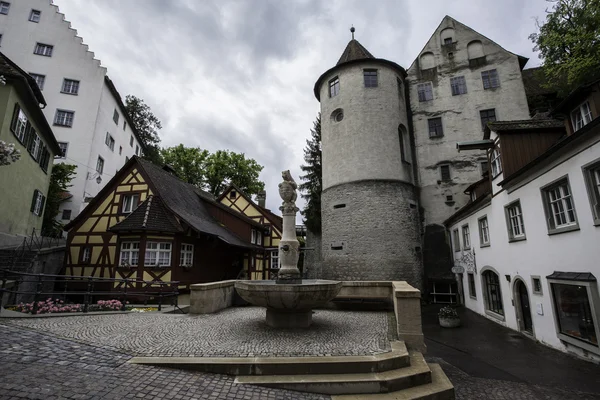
[58, 306]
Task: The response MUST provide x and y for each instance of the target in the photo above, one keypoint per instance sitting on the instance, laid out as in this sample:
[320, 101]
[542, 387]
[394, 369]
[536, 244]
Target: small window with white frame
[490, 79]
[496, 162]
[472, 289]
[370, 77]
[559, 206]
[581, 116]
[253, 236]
[458, 85]
[19, 123]
[484, 231]
[425, 91]
[4, 7]
[536, 285]
[334, 87]
[64, 146]
[37, 204]
[456, 240]
[86, 255]
[100, 165]
[158, 254]
[110, 141]
[466, 234]
[42, 49]
[514, 221]
[591, 174]
[35, 15]
[39, 79]
[130, 203]
[70, 86]
[64, 118]
[116, 117]
[275, 259]
[186, 258]
[130, 253]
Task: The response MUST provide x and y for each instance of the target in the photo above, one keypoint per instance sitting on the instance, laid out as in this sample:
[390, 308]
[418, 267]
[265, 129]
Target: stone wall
[371, 231]
[48, 261]
[312, 268]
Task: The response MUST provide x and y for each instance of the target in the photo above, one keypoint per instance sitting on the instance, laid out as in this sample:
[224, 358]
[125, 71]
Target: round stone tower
[369, 205]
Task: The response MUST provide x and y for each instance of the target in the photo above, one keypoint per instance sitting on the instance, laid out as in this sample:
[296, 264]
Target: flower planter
[449, 322]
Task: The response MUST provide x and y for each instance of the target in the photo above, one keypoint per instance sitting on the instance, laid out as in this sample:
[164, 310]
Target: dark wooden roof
[536, 123]
[151, 216]
[354, 51]
[273, 218]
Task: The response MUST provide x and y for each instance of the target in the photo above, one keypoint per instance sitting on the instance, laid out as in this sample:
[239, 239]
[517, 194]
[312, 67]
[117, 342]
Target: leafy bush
[447, 312]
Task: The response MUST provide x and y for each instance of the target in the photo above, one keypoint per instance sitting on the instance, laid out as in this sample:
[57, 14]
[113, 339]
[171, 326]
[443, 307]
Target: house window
[485, 167]
[456, 240]
[137, 150]
[403, 139]
[130, 203]
[86, 254]
[448, 40]
[120, 150]
[157, 254]
[559, 206]
[0, 39]
[484, 231]
[259, 238]
[275, 259]
[131, 141]
[445, 172]
[490, 79]
[124, 124]
[64, 118]
[66, 214]
[232, 194]
[35, 144]
[37, 203]
[458, 85]
[472, 291]
[592, 179]
[63, 149]
[581, 116]
[70, 86]
[110, 142]
[187, 255]
[100, 165]
[19, 123]
[425, 91]
[43, 49]
[4, 6]
[576, 323]
[496, 162]
[443, 293]
[334, 87]
[435, 127]
[514, 221]
[130, 253]
[34, 15]
[487, 116]
[536, 284]
[253, 236]
[370, 76]
[466, 237]
[493, 294]
[39, 79]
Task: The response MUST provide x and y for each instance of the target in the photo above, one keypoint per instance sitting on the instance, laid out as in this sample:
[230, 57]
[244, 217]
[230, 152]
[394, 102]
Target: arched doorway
[523, 307]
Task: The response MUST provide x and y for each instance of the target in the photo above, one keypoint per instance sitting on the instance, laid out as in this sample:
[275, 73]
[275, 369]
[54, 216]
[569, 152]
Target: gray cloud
[238, 75]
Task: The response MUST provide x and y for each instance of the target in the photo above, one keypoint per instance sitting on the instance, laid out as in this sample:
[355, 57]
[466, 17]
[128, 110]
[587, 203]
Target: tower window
[458, 85]
[435, 127]
[425, 91]
[370, 76]
[334, 87]
[445, 172]
[487, 116]
[337, 115]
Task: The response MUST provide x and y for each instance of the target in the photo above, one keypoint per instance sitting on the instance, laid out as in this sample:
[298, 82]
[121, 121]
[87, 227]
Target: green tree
[147, 126]
[224, 167]
[569, 43]
[60, 180]
[188, 162]
[313, 179]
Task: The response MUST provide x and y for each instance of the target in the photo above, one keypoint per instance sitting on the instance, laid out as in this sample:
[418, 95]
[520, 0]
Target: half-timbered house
[149, 225]
[239, 201]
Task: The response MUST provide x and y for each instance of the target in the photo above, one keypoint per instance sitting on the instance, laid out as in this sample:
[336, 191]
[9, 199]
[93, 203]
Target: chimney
[261, 198]
[169, 169]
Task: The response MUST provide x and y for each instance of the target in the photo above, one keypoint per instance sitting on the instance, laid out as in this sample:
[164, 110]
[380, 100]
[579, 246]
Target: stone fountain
[289, 300]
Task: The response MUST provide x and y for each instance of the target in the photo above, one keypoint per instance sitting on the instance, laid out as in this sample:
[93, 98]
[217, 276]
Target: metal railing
[34, 243]
[42, 286]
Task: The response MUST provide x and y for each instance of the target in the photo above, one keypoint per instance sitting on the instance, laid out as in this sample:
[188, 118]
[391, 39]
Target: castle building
[85, 110]
[391, 172]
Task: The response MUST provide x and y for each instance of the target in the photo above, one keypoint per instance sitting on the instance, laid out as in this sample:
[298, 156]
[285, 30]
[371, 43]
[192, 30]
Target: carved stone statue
[288, 245]
[287, 191]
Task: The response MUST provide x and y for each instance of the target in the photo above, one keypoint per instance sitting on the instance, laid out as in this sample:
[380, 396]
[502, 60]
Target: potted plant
[448, 317]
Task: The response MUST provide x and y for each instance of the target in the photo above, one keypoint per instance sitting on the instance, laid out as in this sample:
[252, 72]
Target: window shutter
[13, 124]
[42, 206]
[35, 192]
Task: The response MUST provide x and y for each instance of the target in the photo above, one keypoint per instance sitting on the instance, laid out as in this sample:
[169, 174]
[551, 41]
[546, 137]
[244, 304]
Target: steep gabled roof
[273, 218]
[150, 216]
[354, 51]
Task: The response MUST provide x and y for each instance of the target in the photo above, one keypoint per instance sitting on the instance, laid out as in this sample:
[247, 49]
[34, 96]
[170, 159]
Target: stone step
[395, 359]
[418, 373]
[440, 388]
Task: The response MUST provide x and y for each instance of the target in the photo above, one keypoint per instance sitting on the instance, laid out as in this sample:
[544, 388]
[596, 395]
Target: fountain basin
[288, 305]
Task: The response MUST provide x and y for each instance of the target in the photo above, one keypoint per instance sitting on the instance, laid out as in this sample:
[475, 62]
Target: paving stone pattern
[235, 332]
[38, 366]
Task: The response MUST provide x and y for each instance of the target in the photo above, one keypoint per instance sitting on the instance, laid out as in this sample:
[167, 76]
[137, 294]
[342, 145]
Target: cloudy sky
[238, 75]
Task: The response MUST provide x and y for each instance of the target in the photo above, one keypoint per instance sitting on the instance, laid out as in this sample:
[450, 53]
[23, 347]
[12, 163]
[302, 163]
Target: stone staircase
[13, 260]
[398, 374]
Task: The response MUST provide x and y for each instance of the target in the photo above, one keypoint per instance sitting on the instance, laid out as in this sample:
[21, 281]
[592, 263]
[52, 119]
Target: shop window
[492, 292]
[472, 291]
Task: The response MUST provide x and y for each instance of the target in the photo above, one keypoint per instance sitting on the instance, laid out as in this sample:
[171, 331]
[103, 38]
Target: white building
[526, 247]
[84, 108]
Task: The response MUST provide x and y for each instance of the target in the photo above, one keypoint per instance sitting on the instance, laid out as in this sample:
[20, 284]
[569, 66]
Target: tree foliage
[60, 180]
[569, 42]
[214, 171]
[313, 179]
[147, 126]
[8, 153]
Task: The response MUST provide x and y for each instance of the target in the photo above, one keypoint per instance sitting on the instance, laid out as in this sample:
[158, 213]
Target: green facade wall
[19, 180]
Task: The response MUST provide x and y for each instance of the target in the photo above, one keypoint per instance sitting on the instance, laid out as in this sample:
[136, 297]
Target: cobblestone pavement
[37, 366]
[234, 332]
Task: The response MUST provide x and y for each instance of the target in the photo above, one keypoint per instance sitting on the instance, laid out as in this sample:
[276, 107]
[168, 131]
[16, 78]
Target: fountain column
[288, 245]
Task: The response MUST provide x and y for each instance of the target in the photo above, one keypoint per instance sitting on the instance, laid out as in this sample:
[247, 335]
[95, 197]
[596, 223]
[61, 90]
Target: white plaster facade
[437, 64]
[541, 253]
[93, 106]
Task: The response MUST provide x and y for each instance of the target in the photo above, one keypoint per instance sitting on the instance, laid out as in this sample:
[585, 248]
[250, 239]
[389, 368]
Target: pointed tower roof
[354, 51]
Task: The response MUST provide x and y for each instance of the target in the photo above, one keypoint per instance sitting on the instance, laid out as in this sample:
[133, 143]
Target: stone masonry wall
[371, 231]
[312, 258]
